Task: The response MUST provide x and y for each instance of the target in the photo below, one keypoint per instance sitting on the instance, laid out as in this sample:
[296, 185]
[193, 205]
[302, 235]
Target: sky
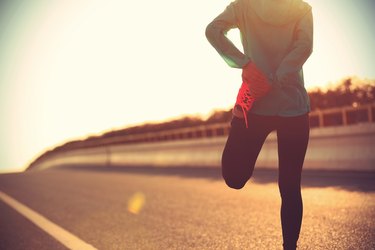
[74, 68]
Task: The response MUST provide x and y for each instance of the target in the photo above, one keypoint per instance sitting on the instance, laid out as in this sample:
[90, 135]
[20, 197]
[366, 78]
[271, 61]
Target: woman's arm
[216, 34]
[301, 50]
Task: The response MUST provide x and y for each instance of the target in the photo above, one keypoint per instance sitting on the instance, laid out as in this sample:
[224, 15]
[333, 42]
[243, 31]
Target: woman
[277, 38]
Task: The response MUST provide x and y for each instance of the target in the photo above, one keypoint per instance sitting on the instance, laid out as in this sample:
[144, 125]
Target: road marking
[64, 237]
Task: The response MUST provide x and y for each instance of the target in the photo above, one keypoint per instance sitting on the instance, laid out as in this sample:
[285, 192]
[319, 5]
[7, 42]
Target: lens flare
[136, 203]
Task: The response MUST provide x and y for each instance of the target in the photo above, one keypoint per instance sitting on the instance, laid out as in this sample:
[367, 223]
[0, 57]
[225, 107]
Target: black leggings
[242, 149]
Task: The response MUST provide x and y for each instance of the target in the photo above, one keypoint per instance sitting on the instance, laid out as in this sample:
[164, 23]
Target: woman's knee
[235, 184]
[236, 181]
[288, 191]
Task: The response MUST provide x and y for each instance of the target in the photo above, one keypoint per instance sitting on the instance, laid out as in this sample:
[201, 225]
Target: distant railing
[319, 118]
[211, 133]
[342, 116]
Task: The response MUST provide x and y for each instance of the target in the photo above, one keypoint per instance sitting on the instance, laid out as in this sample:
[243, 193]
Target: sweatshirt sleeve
[216, 34]
[301, 49]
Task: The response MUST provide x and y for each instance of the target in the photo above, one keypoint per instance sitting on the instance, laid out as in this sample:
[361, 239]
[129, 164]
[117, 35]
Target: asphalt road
[184, 209]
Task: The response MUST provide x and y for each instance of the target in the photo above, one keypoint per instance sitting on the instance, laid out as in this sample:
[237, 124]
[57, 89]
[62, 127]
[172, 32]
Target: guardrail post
[320, 118]
[369, 113]
[344, 117]
[108, 156]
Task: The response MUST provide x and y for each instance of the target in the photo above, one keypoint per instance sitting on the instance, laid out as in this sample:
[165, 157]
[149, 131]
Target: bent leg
[242, 149]
[292, 136]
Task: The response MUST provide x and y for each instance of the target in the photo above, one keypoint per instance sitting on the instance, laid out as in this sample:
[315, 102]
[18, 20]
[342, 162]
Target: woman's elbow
[306, 48]
[210, 31]
[309, 50]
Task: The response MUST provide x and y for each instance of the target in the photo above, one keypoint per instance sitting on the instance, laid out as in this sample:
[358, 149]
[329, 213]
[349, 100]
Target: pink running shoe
[254, 77]
[244, 102]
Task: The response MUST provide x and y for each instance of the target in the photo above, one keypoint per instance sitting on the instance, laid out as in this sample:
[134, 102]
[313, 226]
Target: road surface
[146, 208]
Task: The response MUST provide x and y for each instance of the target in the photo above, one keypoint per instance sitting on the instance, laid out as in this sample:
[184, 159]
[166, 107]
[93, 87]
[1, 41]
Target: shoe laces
[245, 100]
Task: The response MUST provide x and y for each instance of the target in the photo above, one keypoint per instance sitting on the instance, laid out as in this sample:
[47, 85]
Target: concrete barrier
[350, 147]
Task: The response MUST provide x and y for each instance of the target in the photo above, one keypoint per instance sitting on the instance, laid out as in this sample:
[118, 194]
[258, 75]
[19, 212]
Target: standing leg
[242, 148]
[292, 136]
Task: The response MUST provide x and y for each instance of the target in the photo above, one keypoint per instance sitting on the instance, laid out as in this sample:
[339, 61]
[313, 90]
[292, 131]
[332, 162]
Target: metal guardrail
[320, 118]
[330, 148]
[342, 116]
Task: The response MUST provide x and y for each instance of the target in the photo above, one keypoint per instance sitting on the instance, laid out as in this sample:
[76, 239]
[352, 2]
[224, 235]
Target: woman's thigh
[243, 147]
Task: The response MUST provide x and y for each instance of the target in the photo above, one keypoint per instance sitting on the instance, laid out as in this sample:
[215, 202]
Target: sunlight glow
[70, 69]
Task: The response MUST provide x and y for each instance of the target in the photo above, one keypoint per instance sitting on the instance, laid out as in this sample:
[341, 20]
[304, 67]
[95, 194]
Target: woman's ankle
[289, 246]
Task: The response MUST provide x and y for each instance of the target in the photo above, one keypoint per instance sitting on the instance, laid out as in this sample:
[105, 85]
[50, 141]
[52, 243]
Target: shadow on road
[348, 180]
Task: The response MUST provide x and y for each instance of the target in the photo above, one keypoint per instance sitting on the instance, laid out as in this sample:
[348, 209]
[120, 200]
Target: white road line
[64, 237]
